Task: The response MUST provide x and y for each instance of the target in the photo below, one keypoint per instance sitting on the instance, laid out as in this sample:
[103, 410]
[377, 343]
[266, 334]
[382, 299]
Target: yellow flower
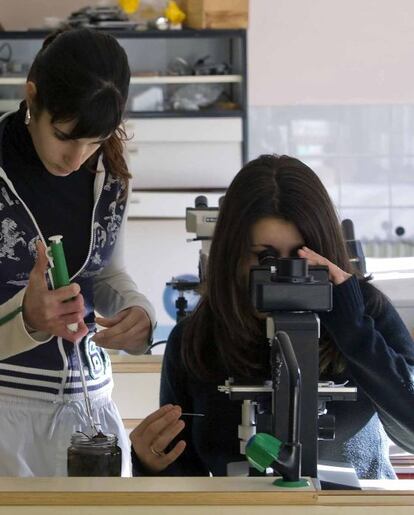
[129, 6]
[173, 13]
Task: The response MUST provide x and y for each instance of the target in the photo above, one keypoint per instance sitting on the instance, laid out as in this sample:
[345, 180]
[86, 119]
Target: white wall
[157, 251]
[331, 52]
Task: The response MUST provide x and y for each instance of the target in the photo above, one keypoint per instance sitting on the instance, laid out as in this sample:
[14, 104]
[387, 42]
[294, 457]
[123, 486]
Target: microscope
[200, 220]
[354, 246]
[285, 438]
[291, 293]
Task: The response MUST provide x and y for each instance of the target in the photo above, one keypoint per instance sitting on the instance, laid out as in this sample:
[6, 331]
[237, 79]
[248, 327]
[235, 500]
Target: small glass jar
[94, 456]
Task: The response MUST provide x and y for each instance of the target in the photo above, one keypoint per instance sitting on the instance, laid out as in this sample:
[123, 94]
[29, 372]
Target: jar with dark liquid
[94, 456]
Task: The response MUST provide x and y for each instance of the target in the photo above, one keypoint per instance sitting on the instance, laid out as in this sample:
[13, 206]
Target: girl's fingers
[336, 274]
[310, 255]
[162, 440]
[159, 413]
[162, 462]
[154, 434]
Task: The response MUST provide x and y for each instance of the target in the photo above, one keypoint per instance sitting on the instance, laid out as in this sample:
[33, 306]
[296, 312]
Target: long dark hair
[224, 329]
[83, 75]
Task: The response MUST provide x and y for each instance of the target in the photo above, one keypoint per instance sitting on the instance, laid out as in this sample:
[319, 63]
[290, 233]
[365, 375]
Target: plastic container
[94, 456]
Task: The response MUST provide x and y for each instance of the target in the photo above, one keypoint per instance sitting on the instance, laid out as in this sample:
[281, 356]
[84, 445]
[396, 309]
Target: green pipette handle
[60, 269]
[60, 273]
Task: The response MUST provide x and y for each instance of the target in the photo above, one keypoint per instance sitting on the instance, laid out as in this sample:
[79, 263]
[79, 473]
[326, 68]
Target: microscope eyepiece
[268, 257]
[201, 202]
[293, 270]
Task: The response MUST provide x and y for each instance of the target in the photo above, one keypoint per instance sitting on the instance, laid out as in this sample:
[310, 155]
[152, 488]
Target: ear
[31, 92]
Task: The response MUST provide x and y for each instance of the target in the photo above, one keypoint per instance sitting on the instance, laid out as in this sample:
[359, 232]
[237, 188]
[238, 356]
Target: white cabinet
[184, 153]
[144, 401]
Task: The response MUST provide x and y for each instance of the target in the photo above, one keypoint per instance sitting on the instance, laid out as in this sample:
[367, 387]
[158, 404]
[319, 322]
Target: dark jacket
[379, 358]
[40, 365]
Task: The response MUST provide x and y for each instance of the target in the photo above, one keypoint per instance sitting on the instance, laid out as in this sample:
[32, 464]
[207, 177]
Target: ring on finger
[155, 452]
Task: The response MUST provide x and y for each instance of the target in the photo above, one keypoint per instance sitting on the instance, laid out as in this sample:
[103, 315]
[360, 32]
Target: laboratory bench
[136, 393]
[139, 376]
[192, 496]
[143, 363]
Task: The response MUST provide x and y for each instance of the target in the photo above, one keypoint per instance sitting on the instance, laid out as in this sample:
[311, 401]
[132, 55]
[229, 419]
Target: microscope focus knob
[262, 450]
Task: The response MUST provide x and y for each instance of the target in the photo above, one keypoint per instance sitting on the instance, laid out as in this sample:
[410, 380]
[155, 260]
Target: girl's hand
[154, 434]
[336, 275]
[129, 330]
[50, 311]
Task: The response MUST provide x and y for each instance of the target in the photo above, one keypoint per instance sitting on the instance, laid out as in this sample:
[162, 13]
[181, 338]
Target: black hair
[83, 75]
[224, 328]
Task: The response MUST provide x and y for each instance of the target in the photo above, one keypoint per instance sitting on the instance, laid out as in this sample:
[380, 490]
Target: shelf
[138, 34]
[186, 79]
[167, 205]
[11, 105]
[181, 79]
[7, 105]
[13, 81]
[203, 113]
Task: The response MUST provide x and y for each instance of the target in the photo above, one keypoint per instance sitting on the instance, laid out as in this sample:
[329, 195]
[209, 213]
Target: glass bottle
[94, 456]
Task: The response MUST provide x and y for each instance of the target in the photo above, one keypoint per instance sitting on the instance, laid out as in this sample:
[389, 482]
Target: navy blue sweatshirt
[70, 198]
[379, 358]
[88, 209]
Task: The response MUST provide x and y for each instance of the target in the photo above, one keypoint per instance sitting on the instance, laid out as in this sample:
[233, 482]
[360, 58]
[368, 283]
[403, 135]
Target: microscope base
[302, 483]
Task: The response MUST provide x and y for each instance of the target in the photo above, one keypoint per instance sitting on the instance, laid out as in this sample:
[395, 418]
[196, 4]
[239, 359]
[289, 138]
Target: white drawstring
[76, 406]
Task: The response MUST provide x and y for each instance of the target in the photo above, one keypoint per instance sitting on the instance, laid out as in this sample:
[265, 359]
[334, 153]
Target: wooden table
[193, 496]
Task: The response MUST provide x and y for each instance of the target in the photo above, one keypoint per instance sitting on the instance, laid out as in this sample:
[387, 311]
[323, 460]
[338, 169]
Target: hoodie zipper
[98, 188]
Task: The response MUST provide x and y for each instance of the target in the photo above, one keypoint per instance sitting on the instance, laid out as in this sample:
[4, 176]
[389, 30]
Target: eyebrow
[68, 137]
[294, 249]
[61, 133]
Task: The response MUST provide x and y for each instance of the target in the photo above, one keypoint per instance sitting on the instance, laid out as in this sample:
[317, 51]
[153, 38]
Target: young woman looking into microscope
[279, 203]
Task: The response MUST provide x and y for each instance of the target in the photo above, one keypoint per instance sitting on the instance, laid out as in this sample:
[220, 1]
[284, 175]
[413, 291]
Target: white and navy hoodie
[89, 210]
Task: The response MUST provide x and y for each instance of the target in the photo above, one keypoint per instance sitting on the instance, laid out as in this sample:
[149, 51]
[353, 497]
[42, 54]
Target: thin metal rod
[85, 390]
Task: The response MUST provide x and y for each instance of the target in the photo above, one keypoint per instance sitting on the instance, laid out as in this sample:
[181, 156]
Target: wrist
[28, 327]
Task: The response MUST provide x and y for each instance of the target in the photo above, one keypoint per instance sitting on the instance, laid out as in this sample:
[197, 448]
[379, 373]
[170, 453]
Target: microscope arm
[263, 450]
[295, 385]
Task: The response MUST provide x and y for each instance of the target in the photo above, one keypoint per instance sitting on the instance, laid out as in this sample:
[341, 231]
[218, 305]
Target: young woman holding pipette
[63, 173]
[278, 204]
